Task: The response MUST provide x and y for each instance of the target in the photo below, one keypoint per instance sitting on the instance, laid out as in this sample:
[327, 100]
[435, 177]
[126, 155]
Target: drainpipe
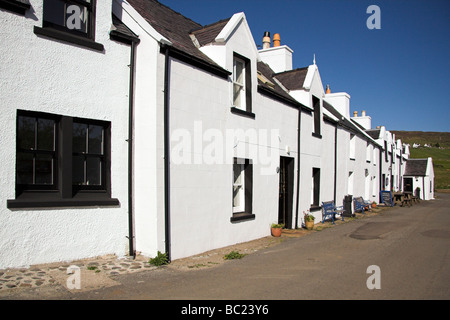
[335, 160]
[298, 165]
[380, 172]
[132, 251]
[167, 154]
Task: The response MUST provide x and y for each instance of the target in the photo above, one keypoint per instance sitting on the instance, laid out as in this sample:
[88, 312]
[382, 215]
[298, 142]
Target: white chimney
[278, 57]
[364, 120]
[340, 101]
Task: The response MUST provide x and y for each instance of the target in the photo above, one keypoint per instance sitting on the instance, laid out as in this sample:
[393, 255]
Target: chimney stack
[365, 121]
[266, 40]
[276, 40]
[328, 89]
[278, 57]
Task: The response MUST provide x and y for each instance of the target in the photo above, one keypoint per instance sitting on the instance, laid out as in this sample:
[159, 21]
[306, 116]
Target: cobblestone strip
[38, 276]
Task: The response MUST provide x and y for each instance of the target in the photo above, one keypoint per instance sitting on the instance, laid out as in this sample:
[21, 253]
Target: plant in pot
[276, 229]
[309, 220]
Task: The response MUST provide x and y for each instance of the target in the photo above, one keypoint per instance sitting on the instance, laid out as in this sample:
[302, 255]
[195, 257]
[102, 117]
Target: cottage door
[408, 184]
[286, 189]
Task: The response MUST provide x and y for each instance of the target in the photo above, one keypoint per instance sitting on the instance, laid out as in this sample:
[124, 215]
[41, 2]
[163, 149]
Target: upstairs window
[352, 151]
[70, 21]
[74, 16]
[242, 86]
[368, 152]
[239, 83]
[317, 118]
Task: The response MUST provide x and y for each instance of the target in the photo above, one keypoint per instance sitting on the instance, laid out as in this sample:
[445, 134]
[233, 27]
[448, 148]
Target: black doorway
[286, 191]
[408, 184]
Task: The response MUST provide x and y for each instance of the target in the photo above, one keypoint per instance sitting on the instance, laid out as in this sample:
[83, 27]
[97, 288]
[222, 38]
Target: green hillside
[439, 151]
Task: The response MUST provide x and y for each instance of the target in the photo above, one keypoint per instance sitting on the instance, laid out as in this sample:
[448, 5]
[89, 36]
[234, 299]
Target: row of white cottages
[128, 128]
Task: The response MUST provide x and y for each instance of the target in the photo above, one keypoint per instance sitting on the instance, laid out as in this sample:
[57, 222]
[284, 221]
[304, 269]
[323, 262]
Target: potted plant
[276, 229]
[309, 220]
[374, 204]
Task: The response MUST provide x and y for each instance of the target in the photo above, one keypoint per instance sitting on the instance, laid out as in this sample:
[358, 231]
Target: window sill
[28, 200]
[317, 135]
[242, 112]
[69, 38]
[241, 216]
[14, 6]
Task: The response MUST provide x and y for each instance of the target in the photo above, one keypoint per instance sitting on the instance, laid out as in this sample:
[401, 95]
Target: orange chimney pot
[276, 40]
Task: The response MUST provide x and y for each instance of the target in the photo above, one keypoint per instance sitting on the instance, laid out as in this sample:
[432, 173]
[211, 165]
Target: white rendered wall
[201, 180]
[201, 186]
[41, 74]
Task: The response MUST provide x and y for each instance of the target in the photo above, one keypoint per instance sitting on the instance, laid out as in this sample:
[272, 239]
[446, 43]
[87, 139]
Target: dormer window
[239, 83]
[242, 86]
[316, 116]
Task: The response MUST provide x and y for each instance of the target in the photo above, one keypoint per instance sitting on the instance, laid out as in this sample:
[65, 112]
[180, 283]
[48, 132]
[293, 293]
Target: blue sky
[399, 74]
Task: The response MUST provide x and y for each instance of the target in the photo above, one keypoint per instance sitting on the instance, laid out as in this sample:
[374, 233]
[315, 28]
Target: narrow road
[409, 246]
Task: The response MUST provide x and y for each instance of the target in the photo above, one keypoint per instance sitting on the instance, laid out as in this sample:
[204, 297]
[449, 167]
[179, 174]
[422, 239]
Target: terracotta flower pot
[276, 232]
[309, 224]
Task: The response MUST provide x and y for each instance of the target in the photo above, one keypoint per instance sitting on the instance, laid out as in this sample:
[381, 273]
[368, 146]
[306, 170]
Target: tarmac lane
[400, 254]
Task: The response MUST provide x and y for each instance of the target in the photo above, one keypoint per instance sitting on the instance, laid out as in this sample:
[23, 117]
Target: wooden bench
[407, 200]
[402, 198]
[359, 204]
[330, 210]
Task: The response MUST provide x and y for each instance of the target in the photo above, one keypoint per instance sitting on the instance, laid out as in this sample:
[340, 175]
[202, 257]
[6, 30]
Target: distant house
[419, 175]
[392, 159]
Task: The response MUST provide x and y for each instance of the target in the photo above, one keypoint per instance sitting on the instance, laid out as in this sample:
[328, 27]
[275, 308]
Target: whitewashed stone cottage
[128, 128]
[65, 84]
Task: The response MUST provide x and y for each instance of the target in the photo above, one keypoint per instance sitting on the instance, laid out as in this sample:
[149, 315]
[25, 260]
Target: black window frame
[247, 214]
[35, 151]
[90, 6]
[248, 88]
[63, 193]
[59, 32]
[316, 117]
[102, 156]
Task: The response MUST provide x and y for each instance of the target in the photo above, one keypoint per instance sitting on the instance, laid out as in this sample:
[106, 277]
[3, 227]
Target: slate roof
[272, 86]
[172, 25]
[208, 34]
[180, 30]
[293, 79]
[374, 133]
[416, 167]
